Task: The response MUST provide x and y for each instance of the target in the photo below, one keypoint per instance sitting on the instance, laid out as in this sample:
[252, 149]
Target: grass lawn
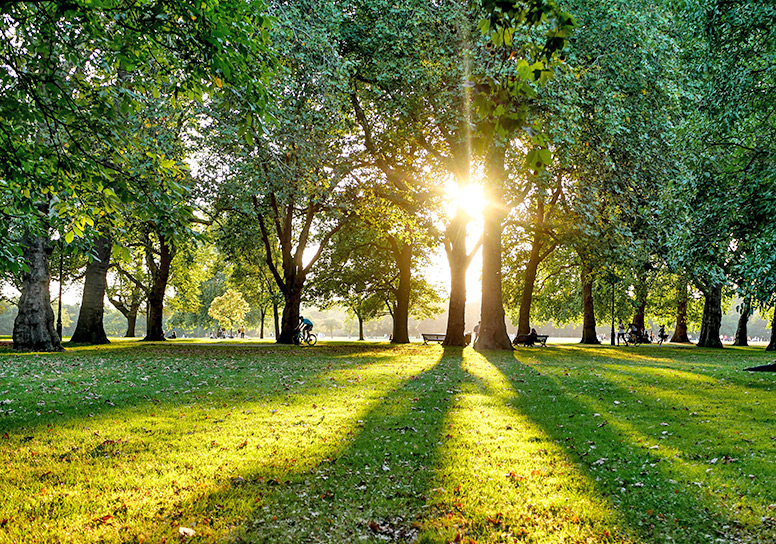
[347, 442]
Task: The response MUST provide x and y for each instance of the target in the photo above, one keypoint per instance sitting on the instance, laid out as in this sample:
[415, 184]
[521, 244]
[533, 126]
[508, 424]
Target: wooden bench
[525, 339]
[433, 337]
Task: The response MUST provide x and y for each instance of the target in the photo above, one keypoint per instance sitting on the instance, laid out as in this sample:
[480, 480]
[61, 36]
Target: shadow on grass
[372, 488]
[661, 490]
[90, 380]
[297, 424]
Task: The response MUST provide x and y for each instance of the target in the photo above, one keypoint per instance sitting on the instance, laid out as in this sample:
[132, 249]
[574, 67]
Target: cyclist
[305, 327]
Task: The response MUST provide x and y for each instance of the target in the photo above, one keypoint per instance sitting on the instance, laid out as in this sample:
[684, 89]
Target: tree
[89, 329]
[517, 64]
[34, 325]
[292, 178]
[229, 309]
[357, 272]
[64, 130]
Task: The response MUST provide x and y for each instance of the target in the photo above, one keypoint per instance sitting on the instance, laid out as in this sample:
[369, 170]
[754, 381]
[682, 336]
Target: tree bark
[360, 327]
[680, 333]
[458, 259]
[263, 311]
[90, 329]
[741, 330]
[160, 274]
[132, 321]
[642, 293]
[589, 335]
[712, 318]
[34, 328]
[289, 323]
[401, 314]
[772, 343]
[493, 329]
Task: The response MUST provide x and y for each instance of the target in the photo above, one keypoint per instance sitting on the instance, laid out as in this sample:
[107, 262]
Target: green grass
[244, 442]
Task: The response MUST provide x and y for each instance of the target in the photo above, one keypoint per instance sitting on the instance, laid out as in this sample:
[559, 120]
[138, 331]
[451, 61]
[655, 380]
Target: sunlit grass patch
[375, 443]
[678, 444]
[504, 479]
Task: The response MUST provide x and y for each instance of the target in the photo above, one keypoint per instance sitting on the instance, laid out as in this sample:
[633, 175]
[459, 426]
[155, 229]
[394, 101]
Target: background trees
[316, 150]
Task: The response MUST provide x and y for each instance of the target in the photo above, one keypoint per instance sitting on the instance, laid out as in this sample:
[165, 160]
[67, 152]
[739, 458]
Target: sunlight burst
[470, 198]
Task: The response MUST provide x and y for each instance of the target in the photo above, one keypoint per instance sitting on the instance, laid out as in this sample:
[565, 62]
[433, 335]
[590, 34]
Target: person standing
[621, 333]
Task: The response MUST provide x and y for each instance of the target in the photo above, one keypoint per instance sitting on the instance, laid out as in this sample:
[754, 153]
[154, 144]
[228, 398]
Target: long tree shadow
[374, 488]
[653, 487]
[268, 418]
[90, 380]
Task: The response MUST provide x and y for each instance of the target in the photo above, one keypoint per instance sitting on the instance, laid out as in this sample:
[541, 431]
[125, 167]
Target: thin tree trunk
[589, 335]
[34, 328]
[493, 329]
[129, 312]
[712, 318]
[90, 329]
[531, 268]
[401, 314]
[360, 327]
[160, 274]
[772, 343]
[741, 330]
[458, 259]
[642, 293]
[263, 312]
[680, 333]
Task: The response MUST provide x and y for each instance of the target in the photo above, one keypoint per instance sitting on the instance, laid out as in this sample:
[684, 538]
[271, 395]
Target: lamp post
[612, 335]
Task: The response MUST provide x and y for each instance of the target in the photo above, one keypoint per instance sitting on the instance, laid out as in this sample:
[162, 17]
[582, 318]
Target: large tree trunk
[680, 333]
[589, 335]
[289, 324]
[741, 332]
[712, 318]
[33, 329]
[160, 274]
[493, 329]
[772, 343]
[458, 259]
[401, 314]
[90, 329]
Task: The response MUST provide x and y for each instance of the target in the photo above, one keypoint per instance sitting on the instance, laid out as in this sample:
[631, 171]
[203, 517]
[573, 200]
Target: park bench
[524, 339]
[433, 337]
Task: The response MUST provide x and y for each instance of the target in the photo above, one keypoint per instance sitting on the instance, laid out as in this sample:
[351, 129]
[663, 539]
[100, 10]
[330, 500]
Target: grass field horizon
[368, 442]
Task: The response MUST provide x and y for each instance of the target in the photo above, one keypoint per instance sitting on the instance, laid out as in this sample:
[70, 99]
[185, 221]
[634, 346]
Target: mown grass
[241, 442]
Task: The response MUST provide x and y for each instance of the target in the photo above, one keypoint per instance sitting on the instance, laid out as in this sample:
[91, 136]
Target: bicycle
[635, 338]
[309, 339]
